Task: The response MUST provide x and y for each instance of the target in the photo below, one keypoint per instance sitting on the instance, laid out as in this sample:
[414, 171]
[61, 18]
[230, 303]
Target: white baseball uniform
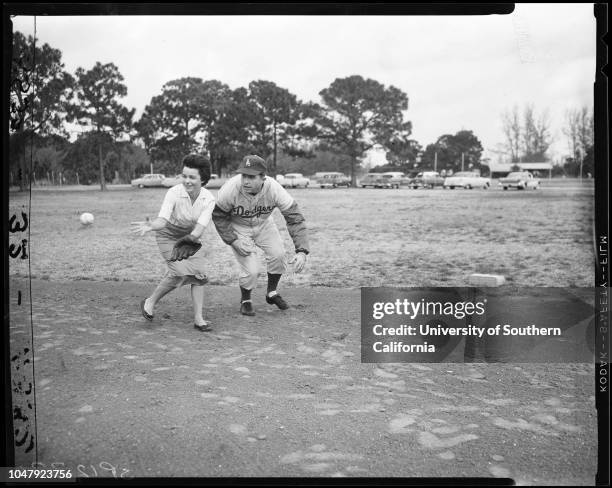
[239, 214]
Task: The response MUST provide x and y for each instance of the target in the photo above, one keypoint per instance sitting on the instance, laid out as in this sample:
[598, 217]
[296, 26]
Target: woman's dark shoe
[205, 327]
[147, 316]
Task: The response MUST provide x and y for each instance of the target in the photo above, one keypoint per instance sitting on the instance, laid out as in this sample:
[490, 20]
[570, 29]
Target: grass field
[358, 237]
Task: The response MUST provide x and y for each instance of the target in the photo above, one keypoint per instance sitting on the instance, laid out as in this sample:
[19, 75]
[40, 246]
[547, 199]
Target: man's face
[252, 183]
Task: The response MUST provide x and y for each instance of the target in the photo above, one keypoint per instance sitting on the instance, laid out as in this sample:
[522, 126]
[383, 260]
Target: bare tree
[585, 129]
[529, 130]
[528, 137]
[511, 126]
[570, 130]
[579, 130]
[536, 134]
[543, 137]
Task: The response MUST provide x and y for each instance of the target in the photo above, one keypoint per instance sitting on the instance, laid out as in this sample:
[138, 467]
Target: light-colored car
[332, 179]
[171, 181]
[521, 180]
[214, 182]
[466, 179]
[375, 180]
[396, 178]
[427, 179]
[293, 180]
[148, 180]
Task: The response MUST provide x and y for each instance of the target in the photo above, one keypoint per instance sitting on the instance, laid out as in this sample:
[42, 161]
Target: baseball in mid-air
[87, 218]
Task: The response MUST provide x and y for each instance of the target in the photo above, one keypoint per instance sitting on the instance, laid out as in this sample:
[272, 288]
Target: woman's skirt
[188, 271]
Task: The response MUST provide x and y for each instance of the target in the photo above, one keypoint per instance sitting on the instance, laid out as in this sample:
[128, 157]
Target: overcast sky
[459, 72]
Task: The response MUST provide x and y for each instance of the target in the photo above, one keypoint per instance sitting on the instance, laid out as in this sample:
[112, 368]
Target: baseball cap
[252, 165]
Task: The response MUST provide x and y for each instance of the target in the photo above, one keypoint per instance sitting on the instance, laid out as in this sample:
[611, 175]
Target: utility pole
[462, 160]
[435, 161]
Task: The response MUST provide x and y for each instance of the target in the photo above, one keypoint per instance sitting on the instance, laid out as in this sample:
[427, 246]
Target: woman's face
[191, 180]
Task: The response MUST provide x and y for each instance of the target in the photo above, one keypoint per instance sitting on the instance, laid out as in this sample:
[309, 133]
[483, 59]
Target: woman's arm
[142, 227]
[159, 222]
[203, 219]
[197, 231]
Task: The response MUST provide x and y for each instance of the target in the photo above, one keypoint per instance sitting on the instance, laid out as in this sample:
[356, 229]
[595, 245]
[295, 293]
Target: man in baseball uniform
[242, 217]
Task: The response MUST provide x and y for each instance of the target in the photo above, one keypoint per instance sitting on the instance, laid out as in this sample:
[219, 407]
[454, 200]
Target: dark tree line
[45, 100]
[40, 92]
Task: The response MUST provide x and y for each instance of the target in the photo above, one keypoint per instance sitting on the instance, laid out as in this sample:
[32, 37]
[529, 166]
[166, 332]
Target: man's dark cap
[252, 165]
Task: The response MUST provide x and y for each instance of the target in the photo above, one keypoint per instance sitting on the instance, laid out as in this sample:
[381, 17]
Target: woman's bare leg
[165, 286]
[197, 295]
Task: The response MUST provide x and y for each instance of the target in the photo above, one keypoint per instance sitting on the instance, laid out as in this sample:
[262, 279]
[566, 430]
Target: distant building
[541, 168]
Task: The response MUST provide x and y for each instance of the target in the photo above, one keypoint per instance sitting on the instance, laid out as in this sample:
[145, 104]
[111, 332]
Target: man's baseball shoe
[278, 301]
[246, 308]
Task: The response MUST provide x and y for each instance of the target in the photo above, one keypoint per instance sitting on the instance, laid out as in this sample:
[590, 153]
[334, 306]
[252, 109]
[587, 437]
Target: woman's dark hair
[201, 163]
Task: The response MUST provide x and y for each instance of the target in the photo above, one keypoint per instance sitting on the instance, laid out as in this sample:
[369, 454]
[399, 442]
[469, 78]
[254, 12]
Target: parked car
[214, 182]
[427, 179]
[375, 180]
[521, 180]
[171, 181]
[466, 179]
[293, 180]
[396, 178]
[410, 177]
[148, 180]
[332, 179]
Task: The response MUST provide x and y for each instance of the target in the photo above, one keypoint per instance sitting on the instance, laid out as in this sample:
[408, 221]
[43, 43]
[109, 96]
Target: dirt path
[283, 394]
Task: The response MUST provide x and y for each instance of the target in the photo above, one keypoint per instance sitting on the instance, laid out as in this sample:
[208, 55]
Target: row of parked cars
[521, 180]
[330, 179]
[290, 180]
[425, 179]
[334, 179]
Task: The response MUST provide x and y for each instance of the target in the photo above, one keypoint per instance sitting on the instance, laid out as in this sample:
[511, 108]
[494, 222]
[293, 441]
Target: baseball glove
[185, 247]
